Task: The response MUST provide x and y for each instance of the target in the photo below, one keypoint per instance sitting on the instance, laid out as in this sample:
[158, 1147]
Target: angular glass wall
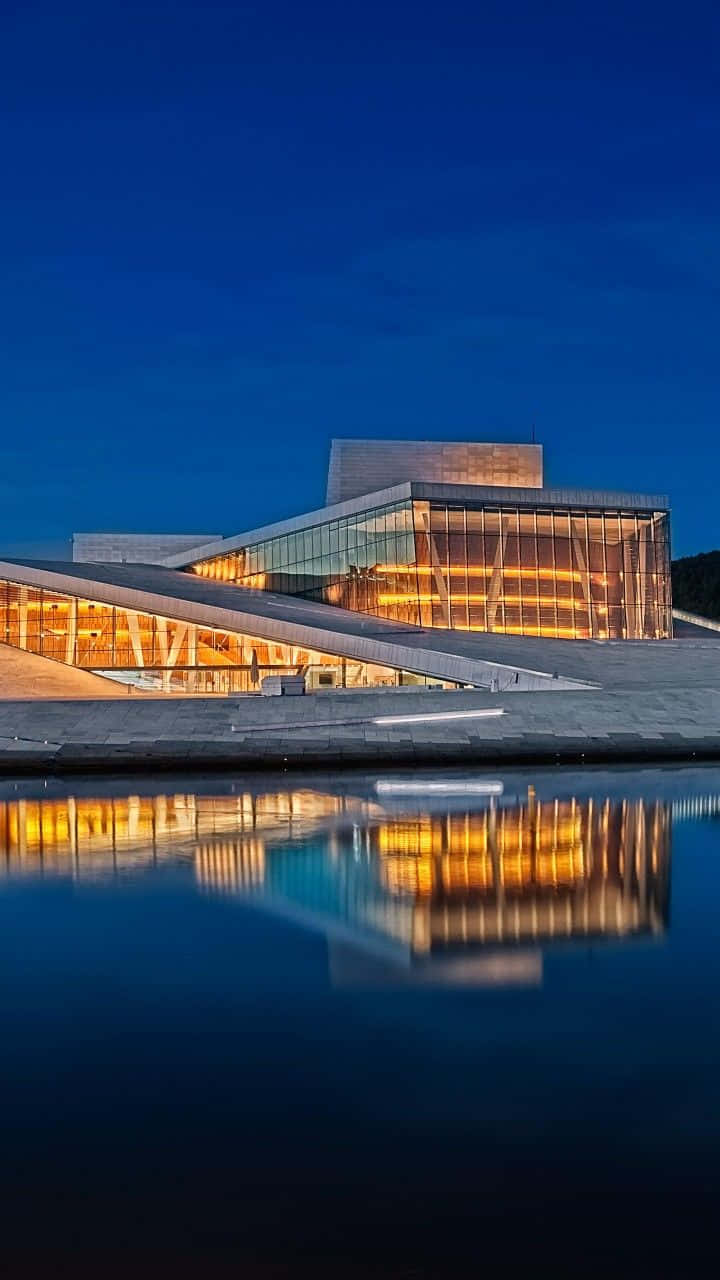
[556, 572]
[572, 574]
[346, 562]
[166, 654]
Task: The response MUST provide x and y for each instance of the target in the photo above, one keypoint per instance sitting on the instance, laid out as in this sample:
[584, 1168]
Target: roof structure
[283, 619]
[415, 490]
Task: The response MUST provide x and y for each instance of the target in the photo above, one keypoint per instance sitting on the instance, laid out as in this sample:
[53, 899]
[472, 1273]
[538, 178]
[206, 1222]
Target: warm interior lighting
[561, 602]
[168, 654]
[485, 570]
[549, 632]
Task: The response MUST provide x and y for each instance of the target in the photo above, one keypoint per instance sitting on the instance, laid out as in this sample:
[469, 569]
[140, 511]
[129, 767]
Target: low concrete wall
[340, 730]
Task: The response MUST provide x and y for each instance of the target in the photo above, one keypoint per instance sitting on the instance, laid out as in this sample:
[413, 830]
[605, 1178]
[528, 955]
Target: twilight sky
[231, 231]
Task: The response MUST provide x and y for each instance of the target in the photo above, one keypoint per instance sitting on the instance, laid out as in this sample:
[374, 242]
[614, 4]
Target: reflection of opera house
[419, 545]
[405, 886]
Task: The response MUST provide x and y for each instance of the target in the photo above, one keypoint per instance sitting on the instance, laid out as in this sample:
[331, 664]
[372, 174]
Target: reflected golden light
[538, 869]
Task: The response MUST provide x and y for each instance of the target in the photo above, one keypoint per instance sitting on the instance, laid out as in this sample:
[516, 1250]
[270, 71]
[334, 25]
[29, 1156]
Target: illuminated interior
[168, 655]
[558, 572]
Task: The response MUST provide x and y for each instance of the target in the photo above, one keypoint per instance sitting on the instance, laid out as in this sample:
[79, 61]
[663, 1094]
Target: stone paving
[575, 700]
[335, 729]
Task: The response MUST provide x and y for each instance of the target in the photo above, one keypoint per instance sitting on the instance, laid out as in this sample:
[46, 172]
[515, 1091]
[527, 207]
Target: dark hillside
[696, 584]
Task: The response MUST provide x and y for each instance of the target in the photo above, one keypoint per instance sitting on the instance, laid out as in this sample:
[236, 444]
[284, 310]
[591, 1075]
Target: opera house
[432, 563]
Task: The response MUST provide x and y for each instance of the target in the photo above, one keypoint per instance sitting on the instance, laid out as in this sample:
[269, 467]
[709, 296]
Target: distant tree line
[696, 584]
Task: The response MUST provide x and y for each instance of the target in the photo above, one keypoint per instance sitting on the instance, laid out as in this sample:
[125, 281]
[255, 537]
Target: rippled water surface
[417, 1023]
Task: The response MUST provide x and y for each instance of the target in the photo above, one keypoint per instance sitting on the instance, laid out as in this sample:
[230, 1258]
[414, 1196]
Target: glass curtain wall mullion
[583, 610]
[606, 598]
[414, 561]
[439, 555]
[457, 572]
[503, 534]
[639, 580]
[665, 568]
[554, 578]
[536, 579]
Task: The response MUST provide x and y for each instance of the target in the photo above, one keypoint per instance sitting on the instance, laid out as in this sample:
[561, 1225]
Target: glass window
[561, 572]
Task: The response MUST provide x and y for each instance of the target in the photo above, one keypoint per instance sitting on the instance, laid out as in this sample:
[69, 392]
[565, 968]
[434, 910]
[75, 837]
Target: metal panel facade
[362, 466]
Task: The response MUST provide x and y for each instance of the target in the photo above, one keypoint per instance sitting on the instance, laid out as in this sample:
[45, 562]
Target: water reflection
[92, 836]
[466, 883]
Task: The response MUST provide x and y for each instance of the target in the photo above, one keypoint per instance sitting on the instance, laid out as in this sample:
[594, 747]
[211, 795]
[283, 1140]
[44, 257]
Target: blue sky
[231, 231]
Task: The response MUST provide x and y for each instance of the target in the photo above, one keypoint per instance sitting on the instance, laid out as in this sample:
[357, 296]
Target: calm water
[413, 1024]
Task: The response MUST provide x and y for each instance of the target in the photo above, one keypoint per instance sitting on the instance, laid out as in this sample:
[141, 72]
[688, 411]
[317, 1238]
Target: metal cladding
[360, 466]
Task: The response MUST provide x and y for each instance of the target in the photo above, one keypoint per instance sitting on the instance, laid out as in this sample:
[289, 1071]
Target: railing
[696, 620]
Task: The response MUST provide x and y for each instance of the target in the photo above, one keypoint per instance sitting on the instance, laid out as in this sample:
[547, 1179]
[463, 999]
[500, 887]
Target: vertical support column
[192, 658]
[71, 633]
[135, 638]
[629, 596]
[162, 638]
[605, 575]
[162, 643]
[437, 573]
[177, 643]
[22, 617]
[643, 596]
[496, 577]
[585, 584]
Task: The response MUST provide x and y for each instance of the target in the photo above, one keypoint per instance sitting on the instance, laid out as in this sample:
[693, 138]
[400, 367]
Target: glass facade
[564, 572]
[166, 654]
